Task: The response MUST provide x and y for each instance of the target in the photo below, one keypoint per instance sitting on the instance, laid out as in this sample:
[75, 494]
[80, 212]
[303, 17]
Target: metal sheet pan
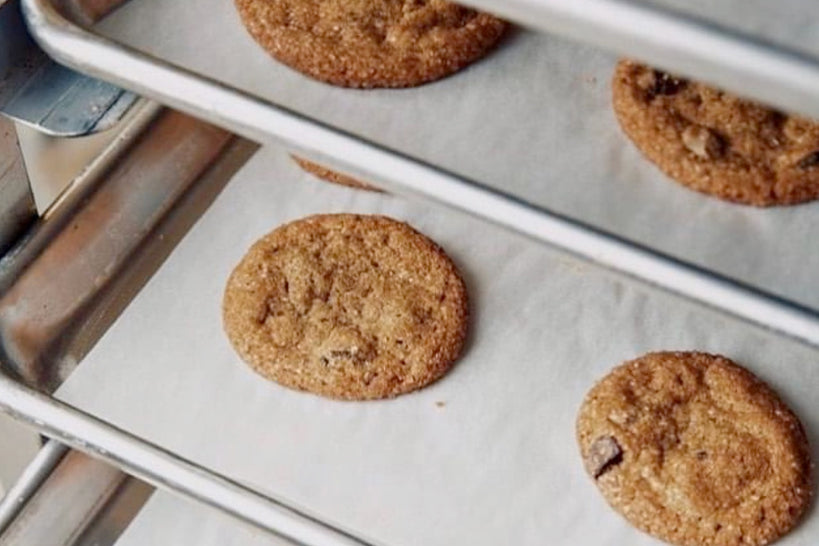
[743, 46]
[486, 456]
[786, 23]
[534, 119]
[261, 119]
[779, 76]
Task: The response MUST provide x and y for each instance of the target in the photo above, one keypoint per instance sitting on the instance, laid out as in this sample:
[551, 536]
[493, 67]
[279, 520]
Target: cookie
[696, 451]
[717, 143]
[347, 306]
[371, 43]
[332, 176]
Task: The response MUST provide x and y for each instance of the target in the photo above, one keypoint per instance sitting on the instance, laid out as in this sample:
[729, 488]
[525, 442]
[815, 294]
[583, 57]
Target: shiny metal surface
[60, 102]
[57, 303]
[265, 122]
[82, 264]
[14, 44]
[606, 22]
[116, 515]
[163, 469]
[743, 63]
[162, 181]
[42, 94]
[54, 307]
[37, 472]
[55, 165]
[54, 217]
[17, 209]
[86, 12]
[92, 497]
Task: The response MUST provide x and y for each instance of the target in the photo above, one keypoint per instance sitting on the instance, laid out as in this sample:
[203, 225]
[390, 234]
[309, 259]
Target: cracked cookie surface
[371, 43]
[695, 450]
[347, 306]
[717, 143]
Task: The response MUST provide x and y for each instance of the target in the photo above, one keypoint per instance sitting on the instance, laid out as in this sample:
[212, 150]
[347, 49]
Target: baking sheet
[533, 119]
[788, 23]
[484, 457]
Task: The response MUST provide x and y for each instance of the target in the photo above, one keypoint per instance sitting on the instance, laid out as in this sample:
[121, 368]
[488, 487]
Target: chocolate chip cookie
[332, 176]
[696, 450]
[715, 142]
[371, 43]
[347, 306]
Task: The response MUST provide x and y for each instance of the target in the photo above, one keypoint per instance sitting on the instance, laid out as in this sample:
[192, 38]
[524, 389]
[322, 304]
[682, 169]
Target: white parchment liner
[486, 456]
[533, 118]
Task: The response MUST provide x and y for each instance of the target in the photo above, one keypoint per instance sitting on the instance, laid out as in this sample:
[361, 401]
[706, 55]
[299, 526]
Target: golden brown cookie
[347, 306]
[371, 43]
[696, 451]
[716, 143]
[332, 176]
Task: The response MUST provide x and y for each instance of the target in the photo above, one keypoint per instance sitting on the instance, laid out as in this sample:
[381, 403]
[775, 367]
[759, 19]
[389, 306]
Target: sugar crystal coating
[347, 306]
[371, 43]
[717, 143]
[710, 455]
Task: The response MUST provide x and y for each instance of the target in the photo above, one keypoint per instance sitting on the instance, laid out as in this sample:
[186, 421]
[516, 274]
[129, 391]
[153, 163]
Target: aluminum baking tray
[792, 84]
[486, 456]
[75, 270]
[537, 286]
[282, 106]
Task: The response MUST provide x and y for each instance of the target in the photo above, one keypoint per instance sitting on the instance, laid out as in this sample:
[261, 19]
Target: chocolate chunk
[603, 454]
[809, 161]
[654, 83]
[666, 84]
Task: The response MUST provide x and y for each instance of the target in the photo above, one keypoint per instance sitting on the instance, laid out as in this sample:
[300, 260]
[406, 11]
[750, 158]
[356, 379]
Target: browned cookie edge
[348, 69]
[438, 364]
[331, 176]
[702, 158]
[602, 456]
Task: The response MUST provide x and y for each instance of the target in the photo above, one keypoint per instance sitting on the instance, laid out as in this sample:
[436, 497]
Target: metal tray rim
[263, 121]
[162, 468]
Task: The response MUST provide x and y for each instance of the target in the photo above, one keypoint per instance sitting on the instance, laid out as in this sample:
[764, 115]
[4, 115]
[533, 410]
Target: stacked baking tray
[495, 127]
[531, 127]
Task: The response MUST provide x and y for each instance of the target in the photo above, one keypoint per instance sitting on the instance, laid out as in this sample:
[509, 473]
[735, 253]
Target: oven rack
[778, 76]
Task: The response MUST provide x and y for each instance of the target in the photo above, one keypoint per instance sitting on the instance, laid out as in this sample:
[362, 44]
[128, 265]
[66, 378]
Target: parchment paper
[486, 456]
[168, 520]
[534, 119]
